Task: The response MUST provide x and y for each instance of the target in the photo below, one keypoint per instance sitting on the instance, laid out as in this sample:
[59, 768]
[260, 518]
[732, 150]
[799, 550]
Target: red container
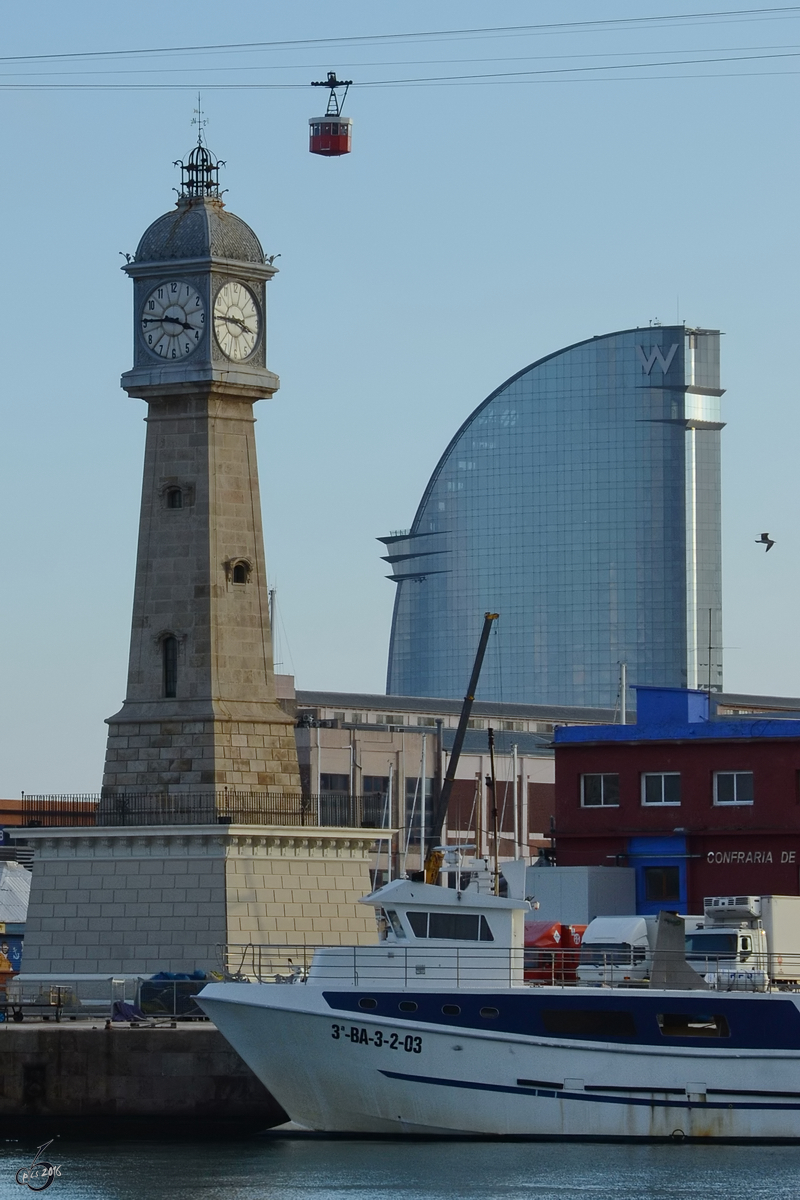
[330, 136]
[552, 951]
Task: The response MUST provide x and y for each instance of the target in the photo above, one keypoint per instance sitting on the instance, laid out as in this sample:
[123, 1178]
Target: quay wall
[95, 1081]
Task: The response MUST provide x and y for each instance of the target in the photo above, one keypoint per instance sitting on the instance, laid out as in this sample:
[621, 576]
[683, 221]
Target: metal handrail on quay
[219, 807]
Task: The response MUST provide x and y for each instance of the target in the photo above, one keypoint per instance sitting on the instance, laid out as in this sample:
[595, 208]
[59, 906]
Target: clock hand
[241, 324]
[172, 320]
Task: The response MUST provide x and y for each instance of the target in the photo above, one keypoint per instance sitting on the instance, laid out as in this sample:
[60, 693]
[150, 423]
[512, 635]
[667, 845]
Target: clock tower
[200, 712]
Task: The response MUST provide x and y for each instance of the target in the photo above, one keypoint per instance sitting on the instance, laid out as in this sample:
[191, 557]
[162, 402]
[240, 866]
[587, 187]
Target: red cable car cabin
[330, 135]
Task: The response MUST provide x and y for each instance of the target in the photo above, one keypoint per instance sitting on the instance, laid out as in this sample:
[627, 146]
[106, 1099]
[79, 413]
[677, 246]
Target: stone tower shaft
[201, 449]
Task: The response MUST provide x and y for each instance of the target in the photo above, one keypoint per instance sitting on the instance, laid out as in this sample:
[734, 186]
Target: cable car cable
[770, 13]
[531, 76]
[389, 63]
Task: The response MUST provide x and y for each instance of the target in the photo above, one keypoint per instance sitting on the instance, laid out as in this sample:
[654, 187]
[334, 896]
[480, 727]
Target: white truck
[617, 950]
[747, 942]
[740, 943]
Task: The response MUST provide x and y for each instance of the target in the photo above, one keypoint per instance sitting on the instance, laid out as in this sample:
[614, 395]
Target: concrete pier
[90, 1081]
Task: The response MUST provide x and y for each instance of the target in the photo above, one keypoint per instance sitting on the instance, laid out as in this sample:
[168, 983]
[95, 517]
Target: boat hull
[339, 1069]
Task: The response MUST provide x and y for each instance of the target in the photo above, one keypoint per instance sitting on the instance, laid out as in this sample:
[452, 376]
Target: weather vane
[200, 120]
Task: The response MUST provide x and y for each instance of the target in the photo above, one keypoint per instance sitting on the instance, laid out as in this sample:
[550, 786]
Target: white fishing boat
[435, 1030]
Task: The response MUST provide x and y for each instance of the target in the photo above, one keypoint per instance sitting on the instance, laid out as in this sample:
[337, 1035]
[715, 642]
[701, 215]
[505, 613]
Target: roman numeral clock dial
[173, 319]
[237, 320]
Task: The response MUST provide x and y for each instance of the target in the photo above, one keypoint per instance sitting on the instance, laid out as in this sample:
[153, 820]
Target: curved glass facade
[581, 501]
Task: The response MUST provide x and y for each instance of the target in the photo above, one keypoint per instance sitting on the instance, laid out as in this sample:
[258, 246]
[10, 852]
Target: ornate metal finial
[200, 172]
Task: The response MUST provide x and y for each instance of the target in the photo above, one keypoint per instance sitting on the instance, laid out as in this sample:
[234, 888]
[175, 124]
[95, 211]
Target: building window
[240, 573]
[174, 498]
[600, 791]
[661, 788]
[334, 783]
[733, 787]
[169, 660]
[426, 721]
[662, 883]
[512, 726]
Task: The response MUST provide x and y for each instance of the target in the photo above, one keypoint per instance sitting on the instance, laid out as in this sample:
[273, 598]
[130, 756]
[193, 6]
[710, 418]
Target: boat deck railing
[475, 965]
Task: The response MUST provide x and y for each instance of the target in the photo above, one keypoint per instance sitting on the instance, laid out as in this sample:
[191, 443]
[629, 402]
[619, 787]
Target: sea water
[278, 1169]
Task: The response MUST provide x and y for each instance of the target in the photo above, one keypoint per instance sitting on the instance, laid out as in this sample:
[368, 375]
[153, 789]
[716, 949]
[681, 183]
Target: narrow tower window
[240, 573]
[169, 652]
[174, 498]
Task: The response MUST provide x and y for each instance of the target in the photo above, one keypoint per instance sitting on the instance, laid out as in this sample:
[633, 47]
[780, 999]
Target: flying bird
[767, 540]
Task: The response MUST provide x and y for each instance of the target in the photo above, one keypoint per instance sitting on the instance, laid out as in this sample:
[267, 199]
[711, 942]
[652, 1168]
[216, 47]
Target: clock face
[237, 321]
[173, 319]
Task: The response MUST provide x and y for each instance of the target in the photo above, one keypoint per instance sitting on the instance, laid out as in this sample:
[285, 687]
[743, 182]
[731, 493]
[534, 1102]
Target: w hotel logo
[656, 355]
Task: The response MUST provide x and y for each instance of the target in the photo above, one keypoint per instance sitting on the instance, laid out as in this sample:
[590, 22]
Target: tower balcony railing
[225, 807]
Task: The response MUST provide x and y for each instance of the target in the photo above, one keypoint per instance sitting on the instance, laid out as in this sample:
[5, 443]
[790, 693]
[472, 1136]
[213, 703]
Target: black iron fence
[226, 807]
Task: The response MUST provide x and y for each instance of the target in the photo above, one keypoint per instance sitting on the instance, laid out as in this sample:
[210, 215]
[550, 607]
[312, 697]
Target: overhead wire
[717, 50]
[672, 19]
[530, 76]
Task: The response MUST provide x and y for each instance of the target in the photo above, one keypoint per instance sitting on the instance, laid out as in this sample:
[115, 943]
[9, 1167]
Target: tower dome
[200, 226]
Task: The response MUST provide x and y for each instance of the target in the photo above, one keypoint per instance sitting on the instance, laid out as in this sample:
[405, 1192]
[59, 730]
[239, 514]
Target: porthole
[367, 1002]
[451, 1010]
[407, 1006]
[490, 1013]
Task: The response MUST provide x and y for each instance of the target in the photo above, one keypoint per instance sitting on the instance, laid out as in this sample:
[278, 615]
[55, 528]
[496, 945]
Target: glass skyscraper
[581, 501]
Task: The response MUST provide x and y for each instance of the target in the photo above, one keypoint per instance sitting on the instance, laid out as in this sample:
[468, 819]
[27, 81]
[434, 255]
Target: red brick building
[700, 804]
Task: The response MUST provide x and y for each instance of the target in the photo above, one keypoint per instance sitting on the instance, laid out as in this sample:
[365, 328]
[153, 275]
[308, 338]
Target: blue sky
[476, 226]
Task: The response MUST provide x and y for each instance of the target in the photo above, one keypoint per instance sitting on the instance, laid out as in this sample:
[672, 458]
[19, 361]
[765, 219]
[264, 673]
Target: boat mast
[495, 829]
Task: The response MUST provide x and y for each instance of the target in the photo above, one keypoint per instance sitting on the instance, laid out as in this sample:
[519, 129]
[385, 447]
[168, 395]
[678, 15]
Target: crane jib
[440, 810]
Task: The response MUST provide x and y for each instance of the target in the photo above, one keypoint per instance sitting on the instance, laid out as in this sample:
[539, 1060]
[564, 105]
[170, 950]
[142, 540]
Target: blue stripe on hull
[550, 1094]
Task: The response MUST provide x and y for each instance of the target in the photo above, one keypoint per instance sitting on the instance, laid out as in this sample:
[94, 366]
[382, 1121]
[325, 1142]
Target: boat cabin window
[692, 1025]
[585, 1022]
[459, 927]
[395, 922]
[711, 945]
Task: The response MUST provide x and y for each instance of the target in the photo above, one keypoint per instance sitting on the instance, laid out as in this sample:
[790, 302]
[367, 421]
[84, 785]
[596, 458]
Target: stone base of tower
[143, 899]
[251, 755]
